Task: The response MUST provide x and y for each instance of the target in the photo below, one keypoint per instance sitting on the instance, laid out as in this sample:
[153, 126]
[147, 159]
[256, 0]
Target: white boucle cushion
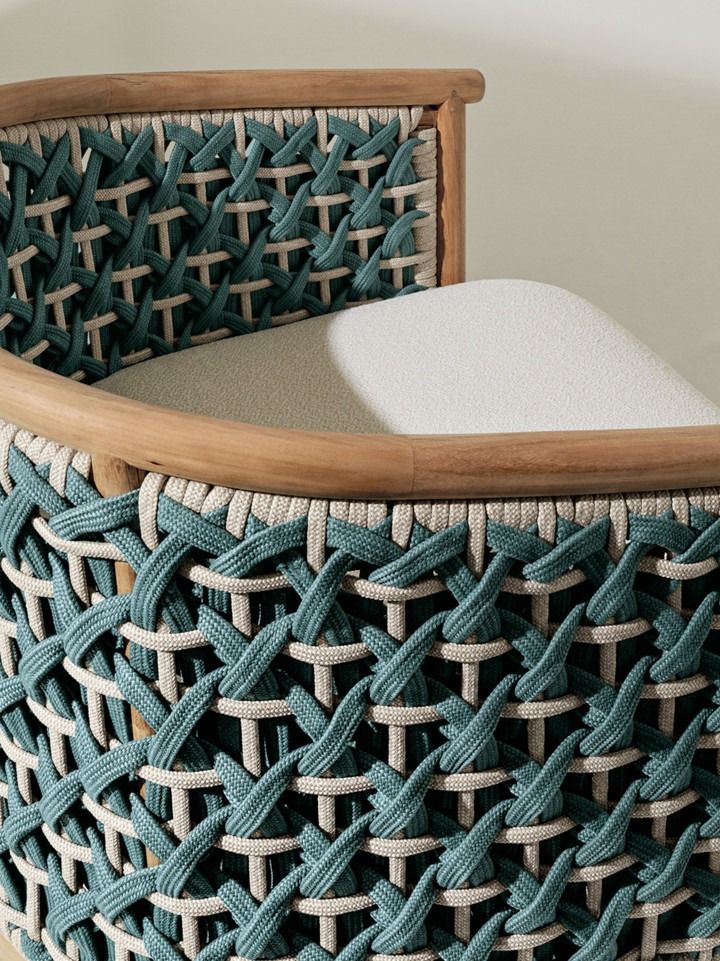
[486, 356]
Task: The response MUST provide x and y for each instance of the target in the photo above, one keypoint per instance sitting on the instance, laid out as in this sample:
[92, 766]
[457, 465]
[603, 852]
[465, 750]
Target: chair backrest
[139, 230]
[112, 237]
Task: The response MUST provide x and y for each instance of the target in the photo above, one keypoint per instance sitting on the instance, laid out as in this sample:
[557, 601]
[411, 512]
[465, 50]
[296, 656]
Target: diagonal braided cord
[126, 237]
[458, 731]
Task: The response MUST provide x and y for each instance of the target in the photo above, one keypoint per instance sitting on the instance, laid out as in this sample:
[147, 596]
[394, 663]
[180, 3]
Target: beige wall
[594, 160]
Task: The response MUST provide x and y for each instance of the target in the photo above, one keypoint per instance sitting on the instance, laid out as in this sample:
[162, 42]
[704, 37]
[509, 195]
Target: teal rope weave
[117, 244]
[438, 731]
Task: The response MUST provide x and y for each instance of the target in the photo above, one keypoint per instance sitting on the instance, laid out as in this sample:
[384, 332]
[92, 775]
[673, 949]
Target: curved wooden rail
[320, 464]
[55, 97]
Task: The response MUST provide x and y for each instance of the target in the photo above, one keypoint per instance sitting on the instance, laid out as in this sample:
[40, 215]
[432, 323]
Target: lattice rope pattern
[125, 237]
[464, 731]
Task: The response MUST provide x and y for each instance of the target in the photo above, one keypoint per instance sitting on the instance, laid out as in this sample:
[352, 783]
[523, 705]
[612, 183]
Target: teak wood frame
[127, 438]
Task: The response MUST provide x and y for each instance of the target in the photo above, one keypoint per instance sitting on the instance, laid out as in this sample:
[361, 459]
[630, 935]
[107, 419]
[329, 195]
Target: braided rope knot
[362, 734]
[135, 237]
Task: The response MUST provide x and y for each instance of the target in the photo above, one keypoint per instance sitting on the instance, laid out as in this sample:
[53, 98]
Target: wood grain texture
[113, 476]
[8, 952]
[374, 466]
[451, 191]
[126, 93]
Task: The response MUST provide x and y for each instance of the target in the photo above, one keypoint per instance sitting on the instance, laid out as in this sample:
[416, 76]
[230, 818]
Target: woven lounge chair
[274, 690]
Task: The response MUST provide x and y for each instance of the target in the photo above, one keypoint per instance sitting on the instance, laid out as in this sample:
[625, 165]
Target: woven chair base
[434, 729]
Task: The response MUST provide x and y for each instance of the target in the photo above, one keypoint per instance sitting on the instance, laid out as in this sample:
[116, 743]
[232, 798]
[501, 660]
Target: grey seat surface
[485, 356]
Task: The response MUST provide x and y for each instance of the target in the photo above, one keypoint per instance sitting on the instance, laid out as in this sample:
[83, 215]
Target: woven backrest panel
[123, 237]
[313, 729]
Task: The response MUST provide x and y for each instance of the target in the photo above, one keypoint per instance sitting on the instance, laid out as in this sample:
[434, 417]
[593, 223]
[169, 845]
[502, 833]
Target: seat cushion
[486, 356]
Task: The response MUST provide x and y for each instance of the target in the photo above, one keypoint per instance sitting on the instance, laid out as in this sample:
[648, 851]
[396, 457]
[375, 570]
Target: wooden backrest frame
[126, 437]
